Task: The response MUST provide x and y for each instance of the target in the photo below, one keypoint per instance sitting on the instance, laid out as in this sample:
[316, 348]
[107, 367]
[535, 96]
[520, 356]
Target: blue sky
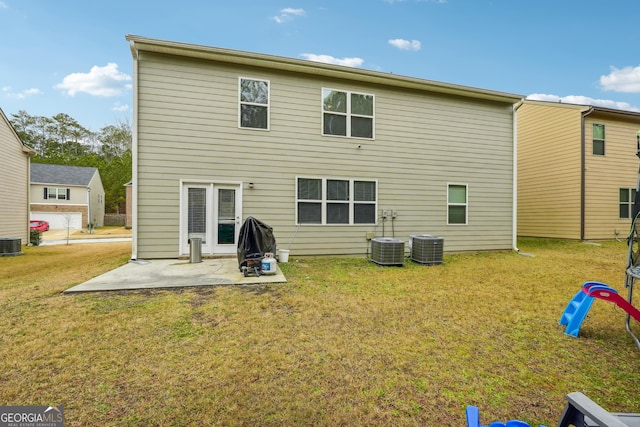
[71, 56]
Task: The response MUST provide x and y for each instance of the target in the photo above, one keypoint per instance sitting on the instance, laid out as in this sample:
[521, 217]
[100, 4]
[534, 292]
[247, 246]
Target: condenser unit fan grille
[427, 249]
[10, 246]
[387, 251]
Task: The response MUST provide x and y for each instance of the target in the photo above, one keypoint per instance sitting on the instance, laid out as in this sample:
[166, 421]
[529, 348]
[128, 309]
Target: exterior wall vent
[426, 249]
[10, 246]
[387, 251]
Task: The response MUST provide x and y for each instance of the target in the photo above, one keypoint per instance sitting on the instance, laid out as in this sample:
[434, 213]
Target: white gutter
[514, 221]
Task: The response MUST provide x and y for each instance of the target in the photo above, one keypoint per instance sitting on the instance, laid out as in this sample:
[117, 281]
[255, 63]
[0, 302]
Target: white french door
[211, 212]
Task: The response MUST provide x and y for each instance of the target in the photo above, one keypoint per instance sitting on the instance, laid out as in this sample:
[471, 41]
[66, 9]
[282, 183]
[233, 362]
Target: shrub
[35, 237]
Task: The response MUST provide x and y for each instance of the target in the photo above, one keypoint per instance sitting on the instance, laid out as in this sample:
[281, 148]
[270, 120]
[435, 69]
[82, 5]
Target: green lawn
[344, 342]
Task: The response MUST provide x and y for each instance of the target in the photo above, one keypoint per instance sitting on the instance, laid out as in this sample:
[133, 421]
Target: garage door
[60, 221]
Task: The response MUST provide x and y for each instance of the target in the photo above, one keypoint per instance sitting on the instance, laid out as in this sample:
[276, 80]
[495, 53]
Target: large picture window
[347, 114]
[254, 103]
[627, 199]
[457, 204]
[329, 201]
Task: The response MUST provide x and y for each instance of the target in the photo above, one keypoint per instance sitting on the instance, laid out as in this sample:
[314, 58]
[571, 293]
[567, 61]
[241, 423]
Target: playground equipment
[580, 304]
[579, 411]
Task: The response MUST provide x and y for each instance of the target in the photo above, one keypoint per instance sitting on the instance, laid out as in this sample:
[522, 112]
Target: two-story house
[327, 155]
[577, 170]
[14, 174]
[67, 196]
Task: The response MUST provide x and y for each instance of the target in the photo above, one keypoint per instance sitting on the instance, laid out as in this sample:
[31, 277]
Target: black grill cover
[255, 239]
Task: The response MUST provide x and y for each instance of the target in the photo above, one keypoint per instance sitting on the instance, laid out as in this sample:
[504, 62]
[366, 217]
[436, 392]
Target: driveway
[63, 237]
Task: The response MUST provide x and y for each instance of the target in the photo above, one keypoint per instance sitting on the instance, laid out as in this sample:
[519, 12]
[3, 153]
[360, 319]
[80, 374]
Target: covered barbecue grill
[255, 239]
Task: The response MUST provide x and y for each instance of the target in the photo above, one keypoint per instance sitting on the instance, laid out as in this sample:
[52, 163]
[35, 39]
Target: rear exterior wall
[188, 130]
[606, 175]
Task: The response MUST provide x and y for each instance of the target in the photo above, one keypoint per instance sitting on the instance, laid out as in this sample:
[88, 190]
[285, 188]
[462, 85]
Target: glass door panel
[197, 214]
[226, 216]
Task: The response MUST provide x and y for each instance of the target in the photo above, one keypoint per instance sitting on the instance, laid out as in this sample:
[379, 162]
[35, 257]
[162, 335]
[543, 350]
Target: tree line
[61, 140]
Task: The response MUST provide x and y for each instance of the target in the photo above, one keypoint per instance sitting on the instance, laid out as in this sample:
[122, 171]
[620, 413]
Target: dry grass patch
[344, 342]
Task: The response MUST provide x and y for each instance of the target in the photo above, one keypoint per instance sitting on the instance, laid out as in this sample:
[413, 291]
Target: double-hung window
[598, 139]
[329, 201]
[457, 204]
[347, 114]
[254, 103]
[57, 193]
[627, 199]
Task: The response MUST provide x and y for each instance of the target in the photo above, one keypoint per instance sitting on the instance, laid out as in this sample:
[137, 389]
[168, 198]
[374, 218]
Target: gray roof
[64, 175]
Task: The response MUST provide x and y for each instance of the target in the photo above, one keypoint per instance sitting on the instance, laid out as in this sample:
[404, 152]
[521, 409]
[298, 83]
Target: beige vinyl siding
[188, 130]
[14, 174]
[549, 164]
[78, 195]
[605, 175]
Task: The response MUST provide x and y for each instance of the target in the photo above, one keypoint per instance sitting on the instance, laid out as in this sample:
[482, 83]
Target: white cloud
[288, 14]
[3, 5]
[349, 62]
[584, 100]
[121, 108]
[402, 44]
[626, 80]
[22, 94]
[100, 81]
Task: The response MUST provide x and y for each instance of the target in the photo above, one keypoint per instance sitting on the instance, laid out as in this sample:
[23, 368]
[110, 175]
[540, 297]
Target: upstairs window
[347, 114]
[457, 204]
[598, 139]
[57, 193]
[254, 103]
[627, 199]
[330, 201]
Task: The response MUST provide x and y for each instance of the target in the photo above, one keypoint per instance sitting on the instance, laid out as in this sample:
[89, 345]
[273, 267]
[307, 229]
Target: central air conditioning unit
[426, 249]
[10, 246]
[387, 251]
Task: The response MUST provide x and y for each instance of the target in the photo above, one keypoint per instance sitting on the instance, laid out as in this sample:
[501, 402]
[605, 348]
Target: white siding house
[328, 156]
[14, 174]
[67, 196]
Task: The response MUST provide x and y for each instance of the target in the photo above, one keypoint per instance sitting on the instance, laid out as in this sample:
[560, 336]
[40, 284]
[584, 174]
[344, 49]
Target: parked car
[38, 224]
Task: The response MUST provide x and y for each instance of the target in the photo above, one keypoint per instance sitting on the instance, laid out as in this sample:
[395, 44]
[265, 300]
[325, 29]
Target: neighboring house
[328, 156]
[14, 175]
[577, 170]
[67, 196]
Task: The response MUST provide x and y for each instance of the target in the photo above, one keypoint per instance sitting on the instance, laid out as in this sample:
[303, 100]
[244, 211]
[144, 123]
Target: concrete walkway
[173, 273]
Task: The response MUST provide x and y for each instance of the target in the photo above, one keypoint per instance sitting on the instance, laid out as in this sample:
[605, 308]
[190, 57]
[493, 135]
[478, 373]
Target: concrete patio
[173, 273]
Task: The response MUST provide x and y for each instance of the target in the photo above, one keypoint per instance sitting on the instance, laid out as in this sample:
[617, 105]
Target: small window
[627, 199]
[57, 193]
[347, 114]
[598, 139]
[336, 201]
[254, 104]
[457, 204]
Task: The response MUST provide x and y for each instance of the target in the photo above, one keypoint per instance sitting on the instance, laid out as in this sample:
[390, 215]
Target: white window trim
[466, 204]
[348, 114]
[628, 204]
[323, 202]
[65, 190]
[240, 103]
[604, 140]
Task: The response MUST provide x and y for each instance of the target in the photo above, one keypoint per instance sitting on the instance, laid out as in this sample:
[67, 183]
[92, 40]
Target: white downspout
[134, 157]
[514, 221]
